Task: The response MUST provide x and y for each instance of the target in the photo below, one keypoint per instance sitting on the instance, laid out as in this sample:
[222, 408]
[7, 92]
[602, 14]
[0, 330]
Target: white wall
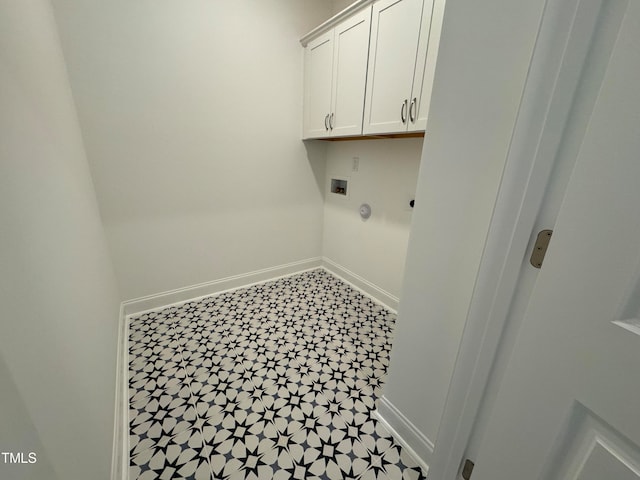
[19, 434]
[374, 249]
[191, 113]
[484, 55]
[57, 288]
[339, 5]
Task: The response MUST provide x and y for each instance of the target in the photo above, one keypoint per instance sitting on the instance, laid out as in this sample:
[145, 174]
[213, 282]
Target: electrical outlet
[355, 165]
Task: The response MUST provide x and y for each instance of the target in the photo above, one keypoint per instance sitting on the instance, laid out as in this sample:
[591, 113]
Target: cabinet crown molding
[333, 21]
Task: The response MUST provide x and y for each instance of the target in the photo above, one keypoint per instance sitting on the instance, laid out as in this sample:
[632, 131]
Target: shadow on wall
[317, 155]
[22, 456]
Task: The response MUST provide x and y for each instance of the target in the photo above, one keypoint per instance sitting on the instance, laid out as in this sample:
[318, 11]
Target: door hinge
[467, 469]
[540, 248]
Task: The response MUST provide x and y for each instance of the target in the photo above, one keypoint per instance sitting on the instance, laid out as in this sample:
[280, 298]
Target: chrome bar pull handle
[326, 118]
[403, 112]
[412, 110]
[331, 122]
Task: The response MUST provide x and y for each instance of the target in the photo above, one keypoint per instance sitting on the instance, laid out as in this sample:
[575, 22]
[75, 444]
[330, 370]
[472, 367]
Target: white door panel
[568, 404]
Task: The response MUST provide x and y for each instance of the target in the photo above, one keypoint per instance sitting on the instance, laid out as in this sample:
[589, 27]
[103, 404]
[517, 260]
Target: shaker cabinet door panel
[350, 74]
[433, 12]
[317, 89]
[395, 30]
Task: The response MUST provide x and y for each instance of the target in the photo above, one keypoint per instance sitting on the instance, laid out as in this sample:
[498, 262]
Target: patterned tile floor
[274, 381]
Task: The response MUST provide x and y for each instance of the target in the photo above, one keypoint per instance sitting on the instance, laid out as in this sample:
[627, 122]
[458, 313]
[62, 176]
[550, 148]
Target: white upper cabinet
[400, 71]
[317, 89]
[369, 70]
[335, 78]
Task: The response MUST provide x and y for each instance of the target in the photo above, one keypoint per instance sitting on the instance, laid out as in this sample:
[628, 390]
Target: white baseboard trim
[365, 286]
[406, 433]
[195, 292]
[120, 455]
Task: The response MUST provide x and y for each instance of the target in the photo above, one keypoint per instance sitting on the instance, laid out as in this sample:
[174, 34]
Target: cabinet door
[350, 74]
[433, 12]
[395, 28]
[317, 86]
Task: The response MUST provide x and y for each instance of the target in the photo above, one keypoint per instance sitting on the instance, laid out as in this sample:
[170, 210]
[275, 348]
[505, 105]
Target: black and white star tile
[274, 381]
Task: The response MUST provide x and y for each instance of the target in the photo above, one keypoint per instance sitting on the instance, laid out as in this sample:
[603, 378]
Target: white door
[395, 28]
[317, 86]
[569, 403]
[350, 74]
